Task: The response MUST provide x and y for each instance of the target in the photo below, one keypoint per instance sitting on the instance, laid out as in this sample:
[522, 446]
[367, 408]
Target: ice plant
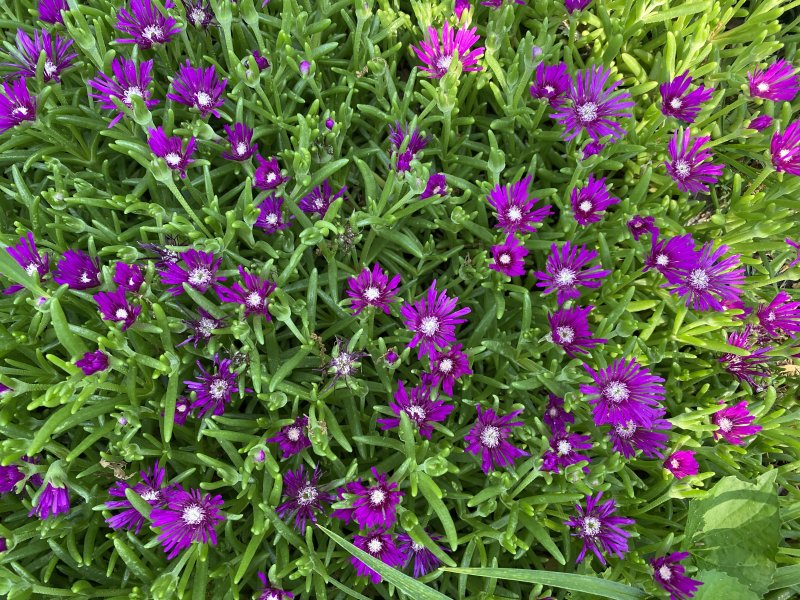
[592, 107]
[406, 142]
[784, 148]
[711, 278]
[796, 246]
[447, 366]
[270, 215]
[565, 450]
[676, 102]
[343, 364]
[183, 408]
[145, 25]
[509, 257]
[51, 501]
[129, 277]
[687, 165]
[436, 186]
[565, 272]
[454, 45]
[92, 362]
[760, 123]
[202, 327]
[378, 544]
[189, 516]
[551, 83]
[421, 405]
[639, 226]
[10, 476]
[372, 288]
[114, 306]
[624, 391]
[488, 439]
[748, 367]
[371, 506]
[591, 149]
[319, 199]
[600, 530]
[271, 593]
[778, 82]
[199, 88]
[195, 268]
[670, 575]
[569, 328]
[629, 437]
[57, 56]
[576, 5]
[268, 174]
[78, 270]
[214, 390]
[590, 202]
[304, 497]
[555, 416]
[462, 6]
[240, 137]
[198, 13]
[671, 256]
[780, 315]
[171, 150]
[424, 560]
[432, 320]
[128, 81]
[151, 489]
[291, 439]
[734, 423]
[16, 104]
[682, 463]
[28, 257]
[253, 295]
[514, 206]
[50, 10]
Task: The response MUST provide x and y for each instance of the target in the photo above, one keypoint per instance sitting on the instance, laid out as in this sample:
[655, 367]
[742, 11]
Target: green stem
[760, 179]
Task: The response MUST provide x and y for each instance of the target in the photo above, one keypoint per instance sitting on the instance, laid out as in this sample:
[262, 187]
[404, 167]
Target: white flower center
[698, 279]
[271, 219]
[626, 431]
[85, 277]
[193, 514]
[150, 495]
[31, 269]
[763, 87]
[585, 206]
[254, 299]
[429, 326]
[272, 177]
[665, 573]
[50, 68]
[20, 110]
[566, 334]
[565, 277]
[490, 436]
[587, 112]
[676, 103]
[181, 408]
[549, 89]
[784, 153]
[152, 33]
[377, 497]
[173, 159]
[514, 214]
[771, 316]
[203, 99]
[206, 326]
[218, 389]
[725, 424]
[307, 495]
[293, 433]
[443, 62]
[241, 148]
[371, 294]
[198, 16]
[199, 276]
[374, 546]
[662, 260]
[616, 391]
[675, 463]
[446, 365]
[682, 168]
[127, 95]
[591, 526]
[417, 413]
[504, 258]
[121, 313]
[553, 412]
[563, 447]
[417, 547]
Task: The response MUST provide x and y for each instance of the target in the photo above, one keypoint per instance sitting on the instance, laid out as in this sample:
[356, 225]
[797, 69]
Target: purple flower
[565, 272]
[27, 256]
[151, 489]
[457, 45]
[92, 362]
[745, 368]
[50, 10]
[198, 270]
[682, 463]
[599, 529]
[78, 270]
[198, 12]
[254, 295]
[164, 256]
[199, 88]
[16, 104]
[329, 123]
[780, 315]
[565, 450]
[675, 102]
[624, 391]
[489, 439]
[268, 174]
[128, 277]
[778, 83]
[420, 407]
[760, 123]
[304, 498]
[551, 84]
[202, 328]
[555, 417]
[114, 306]
[591, 149]
[416, 142]
[671, 257]
[26, 54]
[52, 501]
[372, 288]
[271, 593]
[240, 138]
[590, 202]
[292, 438]
[305, 67]
[5, 389]
[145, 24]
[187, 517]
[711, 279]
[171, 150]
[796, 246]
[343, 363]
[378, 544]
[639, 226]
[734, 423]
[391, 356]
[425, 561]
[447, 366]
[670, 575]
[569, 328]
[214, 390]
[686, 165]
[261, 61]
[461, 6]
[509, 257]
[320, 199]
[592, 108]
[436, 186]
[576, 5]
[514, 207]
[432, 320]
[371, 506]
[270, 215]
[10, 476]
[629, 437]
[784, 147]
[495, 4]
[183, 408]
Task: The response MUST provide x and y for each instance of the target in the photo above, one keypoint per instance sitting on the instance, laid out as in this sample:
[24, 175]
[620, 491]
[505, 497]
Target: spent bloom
[372, 288]
[639, 226]
[569, 328]
[320, 199]
[420, 406]
[447, 366]
[268, 174]
[734, 423]
[454, 45]
[199, 88]
[343, 364]
[270, 215]
[25, 56]
[27, 256]
[590, 201]
[291, 439]
[514, 206]
[171, 149]
[784, 148]
[760, 123]
[145, 25]
[432, 320]
[555, 416]
[183, 408]
[671, 256]
[114, 306]
[240, 137]
[414, 142]
[304, 497]
[682, 463]
[436, 186]
[551, 84]
[778, 82]
[271, 593]
[253, 295]
[201, 328]
[16, 104]
[371, 506]
[189, 516]
[129, 277]
[425, 561]
[687, 166]
[671, 576]
[151, 489]
[78, 270]
[600, 530]
[565, 272]
[378, 544]
[780, 315]
[198, 12]
[711, 279]
[629, 437]
[591, 148]
[10, 476]
[93, 362]
[195, 268]
[509, 257]
[748, 367]
[488, 439]
[51, 501]
[565, 450]
[676, 102]
[214, 390]
[50, 10]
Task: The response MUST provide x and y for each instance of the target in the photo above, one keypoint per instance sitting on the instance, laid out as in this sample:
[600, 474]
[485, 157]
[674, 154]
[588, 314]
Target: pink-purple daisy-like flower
[576, 5]
[114, 306]
[711, 279]
[569, 328]
[447, 366]
[590, 202]
[189, 516]
[372, 288]
[343, 364]
[194, 268]
[271, 593]
[509, 257]
[198, 13]
[240, 138]
[551, 84]
[27, 256]
[593, 108]
[778, 82]
[128, 277]
[565, 272]
[304, 497]
[488, 439]
[780, 316]
[171, 149]
[145, 25]
[16, 104]
[253, 295]
[414, 142]
[424, 560]
[565, 451]
[784, 148]
[199, 88]
[371, 506]
[629, 437]
[734, 423]
[514, 206]
[436, 186]
[687, 166]
[748, 367]
[26, 55]
[201, 328]
[270, 215]
[378, 544]
[268, 174]
[671, 576]
[151, 489]
[93, 362]
[51, 501]
[420, 406]
[78, 270]
[50, 10]
[682, 463]
[639, 226]
[291, 439]
[454, 45]
[319, 200]
[600, 530]
[214, 390]
[432, 320]
[671, 256]
[760, 123]
[675, 102]
[555, 416]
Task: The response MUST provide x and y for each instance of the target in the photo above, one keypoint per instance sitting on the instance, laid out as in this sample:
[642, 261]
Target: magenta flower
[26, 54]
[270, 215]
[214, 390]
[591, 149]
[576, 5]
[760, 123]
[372, 288]
[425, 561]
[565, 272]
[268, 174]
[734, 423]
[436, 186]
[201, 328]
[592, 108]
[319, 200]
[93, 362]
[599, 529]
[378, 544]
[686, 165]
[784, 147]
[10, 476]
[151, 489]
[304, 497]
[261, 61]
[639, 226]
[447, 366]
[16, 104]
[671, 257]
[432, 320]
[590, 202]
[114, 306]
[495, 4]
[189, 516]
[461, 6]
[50, 10]
[555, 416]
[565, 450]
[199, 88]
[129, 277]
[682, 463]
[291, 439]
[183, 408]
[780, 315]
[569, 328]
[420, 407]
[778, 83]
[52, 501]
[198, 13]
[796, 246]
[195, 268]
[551, 84]
[675, 102]
[27, 256]
[78, 270]
[454, 45]
[509, 257]
[343, 363]
[240, 137]
[145, 24]
[488, 439]
[371, 506]
[745, 368]
[171, 150]
[271, 593]
[624, 391]
[711, 279]
[254, 295]
[670, 575]
[514, 207]
[629, 437]
[414, 142]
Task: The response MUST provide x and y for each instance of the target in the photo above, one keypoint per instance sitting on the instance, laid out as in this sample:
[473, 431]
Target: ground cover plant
[399, 298]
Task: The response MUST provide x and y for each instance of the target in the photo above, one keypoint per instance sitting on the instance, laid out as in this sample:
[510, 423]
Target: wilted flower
[569, 328]
[151, 489]
[343, 363]
[711, 279]
[629, 437]
[488, 439]
[270, 215]
[50, 10]
[214, 390]
[26, 54]
[253, 295]
[778, 82]
[565, 272]
[202, 328]
[16, 104]
[590, 201]
[78, 270]
[240, 137]
[114, 306]
[734, 423]
[551, 83]
[374, 505]
[27, 256]
[565, 450]
[745, 368]
[784, 147]
[92, 362]
[145, 24]
[416, 142]
[268, 174]
[687, 166]
[639, 226]
[671, 256]
[454, 45]
[509, 257]
[189, 516]
[599, 529]
[183, 408]
[420, 407]
[261, 61]
[171, 150]
[292, 438]
[780, 315]
[670, 575]
[436, 186]
[675, 102]
[591, 148]
[447, 366]
[514, 207]
[555, 416]
[372, 288]
[128, 277]
[378, 544]
[52, 501]
[199, 88]
[304, 497]
[682, 463]
[195, 268]
[320, 199]
[425, 561]
[10, 476]
[432, 320]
